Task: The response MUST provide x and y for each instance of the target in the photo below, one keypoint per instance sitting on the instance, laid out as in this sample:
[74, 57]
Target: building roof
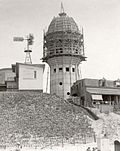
[33, 65]
[4, 69]
[62, 23]
[36, 65]
[105, 91]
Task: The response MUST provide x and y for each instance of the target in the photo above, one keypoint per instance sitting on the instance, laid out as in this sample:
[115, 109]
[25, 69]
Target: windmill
[29, 40]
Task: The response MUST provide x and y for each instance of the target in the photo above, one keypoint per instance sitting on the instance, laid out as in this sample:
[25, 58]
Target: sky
[100, 20]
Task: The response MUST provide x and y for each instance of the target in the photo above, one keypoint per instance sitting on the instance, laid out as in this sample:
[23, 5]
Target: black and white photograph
[59, 75]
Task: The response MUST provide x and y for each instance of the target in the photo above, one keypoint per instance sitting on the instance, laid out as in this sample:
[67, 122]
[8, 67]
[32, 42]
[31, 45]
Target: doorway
[117, 145]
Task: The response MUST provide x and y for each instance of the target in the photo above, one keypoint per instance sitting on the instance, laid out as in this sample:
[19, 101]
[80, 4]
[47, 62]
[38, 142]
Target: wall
[27, 79]
[91, 82]
[95, 83]
[78, 89]
[66, 78]
[6, 74]
[11, 85]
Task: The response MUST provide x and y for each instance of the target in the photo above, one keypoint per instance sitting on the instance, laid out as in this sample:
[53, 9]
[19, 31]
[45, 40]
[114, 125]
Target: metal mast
[62, 8]
[62, 12]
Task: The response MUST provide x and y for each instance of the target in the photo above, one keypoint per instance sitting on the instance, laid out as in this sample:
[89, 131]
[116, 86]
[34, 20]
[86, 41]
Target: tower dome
[63, 37]
[63, 23]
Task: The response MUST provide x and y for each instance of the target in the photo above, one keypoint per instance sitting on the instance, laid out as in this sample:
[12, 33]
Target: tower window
[61, 50]
[35, 74]
[73, 69]
[60, 83]
[51, 51]
[54, 70]
[68, 93]
[67, 69]
[60, 69]
[76, 51]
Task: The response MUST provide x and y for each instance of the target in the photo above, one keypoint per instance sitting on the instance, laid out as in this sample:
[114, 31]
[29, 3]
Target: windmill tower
[29, 40]
[63, 50]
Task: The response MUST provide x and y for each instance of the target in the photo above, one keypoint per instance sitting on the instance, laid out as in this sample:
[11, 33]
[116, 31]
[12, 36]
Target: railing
[51, 142]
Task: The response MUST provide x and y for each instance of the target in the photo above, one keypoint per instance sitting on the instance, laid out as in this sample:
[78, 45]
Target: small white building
[24, 77]
[29, 76]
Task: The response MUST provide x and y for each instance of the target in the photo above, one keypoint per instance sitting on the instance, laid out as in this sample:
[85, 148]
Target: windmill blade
[18, 39]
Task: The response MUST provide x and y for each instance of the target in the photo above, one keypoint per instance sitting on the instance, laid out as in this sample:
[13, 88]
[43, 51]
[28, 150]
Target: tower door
[82, 101]
[117, 145]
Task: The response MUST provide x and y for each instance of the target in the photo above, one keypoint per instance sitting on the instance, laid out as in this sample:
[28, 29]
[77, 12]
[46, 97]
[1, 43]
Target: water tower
[63, 50]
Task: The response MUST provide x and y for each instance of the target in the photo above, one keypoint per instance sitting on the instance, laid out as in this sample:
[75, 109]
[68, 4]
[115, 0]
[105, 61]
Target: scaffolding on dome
[63, 38]
[63, 43]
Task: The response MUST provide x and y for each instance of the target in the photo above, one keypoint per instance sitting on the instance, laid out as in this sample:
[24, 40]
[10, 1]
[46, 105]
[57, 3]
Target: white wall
[27, 81]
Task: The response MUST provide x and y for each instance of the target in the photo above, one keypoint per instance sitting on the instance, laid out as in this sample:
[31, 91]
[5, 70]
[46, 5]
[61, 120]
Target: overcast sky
[100, 20]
